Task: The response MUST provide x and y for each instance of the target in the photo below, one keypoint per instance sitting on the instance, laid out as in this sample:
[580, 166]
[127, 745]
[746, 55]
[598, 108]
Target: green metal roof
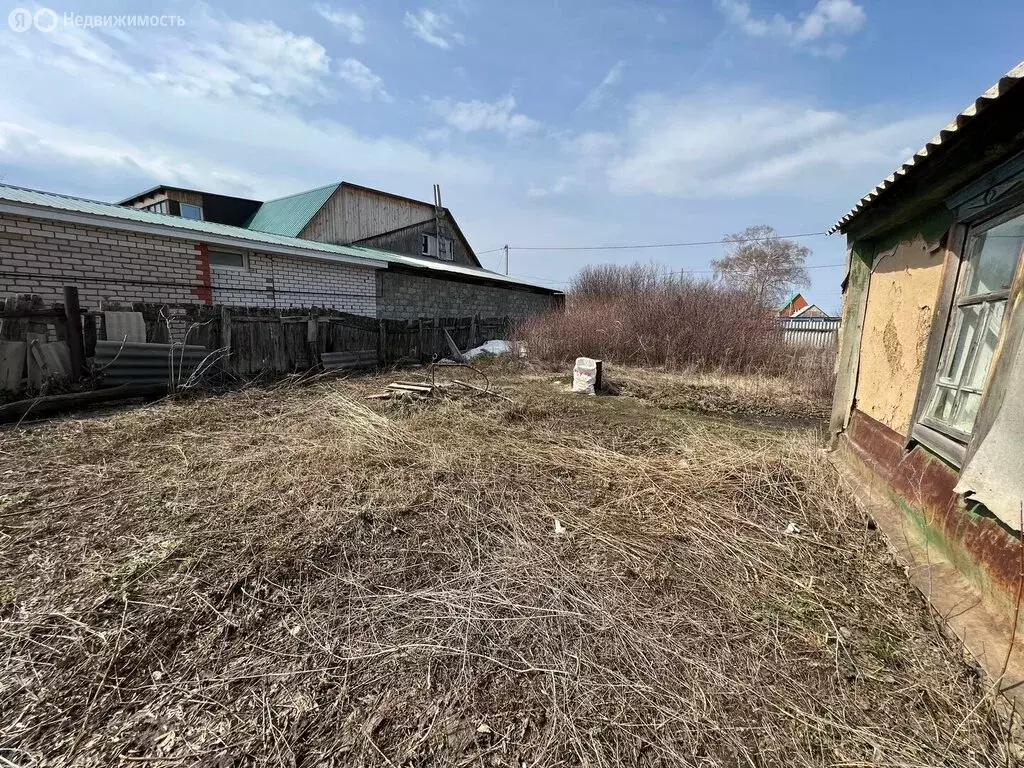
[287, 216]
[30, 202]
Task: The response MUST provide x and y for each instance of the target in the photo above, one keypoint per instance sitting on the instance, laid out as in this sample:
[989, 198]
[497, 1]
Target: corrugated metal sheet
[820, 332]
[289, 215]
[263, 241]
[945, 136]
[141, 363]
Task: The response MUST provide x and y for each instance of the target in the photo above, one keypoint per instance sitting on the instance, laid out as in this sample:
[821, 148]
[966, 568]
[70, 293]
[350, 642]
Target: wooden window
[162, 207]
[223, 259]
[446, 249]
[428, 245]
[975, 325]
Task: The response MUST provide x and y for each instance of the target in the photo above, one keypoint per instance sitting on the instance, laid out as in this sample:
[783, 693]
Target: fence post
[311, 345]
[225, 334]
[75, 340]
[382, 336]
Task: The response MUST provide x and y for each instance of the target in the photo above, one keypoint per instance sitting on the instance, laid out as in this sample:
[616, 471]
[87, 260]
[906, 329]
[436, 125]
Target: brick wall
[407, 297]
[285, 281]
[39, 256]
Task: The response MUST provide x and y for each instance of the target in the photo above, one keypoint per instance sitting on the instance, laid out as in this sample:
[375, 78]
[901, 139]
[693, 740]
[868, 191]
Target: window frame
[244, 267]
[426, 239]
[162, 207]
[199, 208]
[449, 249]
[943, 439]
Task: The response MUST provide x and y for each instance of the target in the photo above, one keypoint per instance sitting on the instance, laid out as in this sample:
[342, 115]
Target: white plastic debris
[792, 529]
[559, 528]
[584, 376]
[494, 347]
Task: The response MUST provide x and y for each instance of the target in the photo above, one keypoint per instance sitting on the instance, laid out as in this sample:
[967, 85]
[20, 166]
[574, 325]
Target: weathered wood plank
[12, 365]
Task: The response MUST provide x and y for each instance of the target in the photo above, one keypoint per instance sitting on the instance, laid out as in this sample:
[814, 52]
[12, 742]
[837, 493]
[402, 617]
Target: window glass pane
[987, 343]
[191, 211]
[964, 332]
[966, 411]
[226, 259]
[942, 404]
[995, 254]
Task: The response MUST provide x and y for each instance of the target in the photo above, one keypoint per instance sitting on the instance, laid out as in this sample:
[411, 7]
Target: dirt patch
[286, 576]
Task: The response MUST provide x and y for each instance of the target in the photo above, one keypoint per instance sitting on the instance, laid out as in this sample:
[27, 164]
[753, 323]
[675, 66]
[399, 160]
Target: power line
[674, 272]
[659, 245]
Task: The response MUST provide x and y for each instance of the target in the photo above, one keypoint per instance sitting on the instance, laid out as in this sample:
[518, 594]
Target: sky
[555, 125]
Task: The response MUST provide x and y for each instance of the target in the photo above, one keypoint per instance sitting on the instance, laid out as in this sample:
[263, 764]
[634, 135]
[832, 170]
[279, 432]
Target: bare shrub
[642, 315]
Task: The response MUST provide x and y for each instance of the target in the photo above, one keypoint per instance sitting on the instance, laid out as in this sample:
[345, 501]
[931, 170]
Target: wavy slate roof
[124, 217]
[288, 216]
[944, 137]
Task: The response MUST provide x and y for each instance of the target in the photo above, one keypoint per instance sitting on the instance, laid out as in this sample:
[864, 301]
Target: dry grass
[759, 397]
[287, 577]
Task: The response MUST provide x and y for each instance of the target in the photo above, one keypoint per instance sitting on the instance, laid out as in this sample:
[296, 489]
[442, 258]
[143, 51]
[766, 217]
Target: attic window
[438, 247]
[162, 207]
[188, 211]
[428, 245]
[446, 250]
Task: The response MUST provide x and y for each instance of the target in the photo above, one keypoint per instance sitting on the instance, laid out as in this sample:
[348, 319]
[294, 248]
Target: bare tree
[762, 262]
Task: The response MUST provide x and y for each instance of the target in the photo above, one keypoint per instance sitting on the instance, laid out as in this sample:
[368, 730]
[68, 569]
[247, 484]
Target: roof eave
[940, 140]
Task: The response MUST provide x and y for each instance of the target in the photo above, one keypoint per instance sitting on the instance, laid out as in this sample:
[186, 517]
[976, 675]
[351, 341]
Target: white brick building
[116, 255]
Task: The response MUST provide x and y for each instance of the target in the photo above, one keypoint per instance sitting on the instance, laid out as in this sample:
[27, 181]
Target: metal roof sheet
[117, 216]
[288, 216]
[945, 136]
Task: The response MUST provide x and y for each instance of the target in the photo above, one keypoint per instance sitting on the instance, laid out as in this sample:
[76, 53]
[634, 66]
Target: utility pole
[506, 259]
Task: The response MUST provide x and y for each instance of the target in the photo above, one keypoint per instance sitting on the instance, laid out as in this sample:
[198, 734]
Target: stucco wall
[903, 291]
[407, 297]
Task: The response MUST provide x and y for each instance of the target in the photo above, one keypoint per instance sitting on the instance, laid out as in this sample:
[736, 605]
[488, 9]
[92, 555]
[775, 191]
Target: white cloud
[828, 18]
[253, 58]
[348, 22]
[436, 134]
[153, 120]
[591, 149]
[220, 57]
[433, 27]
[562, 185]
[597, 95]
[499, 116]
[362, 78]
[739, 144]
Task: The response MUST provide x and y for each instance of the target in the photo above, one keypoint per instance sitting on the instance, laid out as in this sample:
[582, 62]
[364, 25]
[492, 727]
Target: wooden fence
[243, 341]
